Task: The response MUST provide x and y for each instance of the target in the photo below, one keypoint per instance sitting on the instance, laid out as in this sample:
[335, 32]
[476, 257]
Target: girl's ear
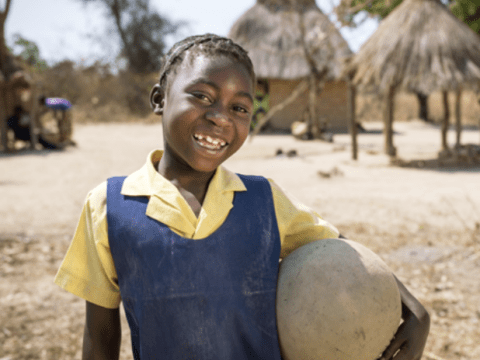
[157, 99]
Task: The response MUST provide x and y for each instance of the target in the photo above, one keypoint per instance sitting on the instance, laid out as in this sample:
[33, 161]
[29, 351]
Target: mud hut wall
[331, 105]
[279, 91]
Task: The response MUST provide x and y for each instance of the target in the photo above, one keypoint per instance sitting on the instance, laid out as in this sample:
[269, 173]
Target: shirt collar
[147, 181]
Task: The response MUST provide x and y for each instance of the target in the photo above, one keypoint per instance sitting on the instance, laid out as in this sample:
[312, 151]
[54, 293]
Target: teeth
[215, 142]
[211, 147]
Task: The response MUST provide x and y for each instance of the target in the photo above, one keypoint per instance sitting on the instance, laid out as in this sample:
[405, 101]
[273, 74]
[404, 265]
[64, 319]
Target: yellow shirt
[88, 270]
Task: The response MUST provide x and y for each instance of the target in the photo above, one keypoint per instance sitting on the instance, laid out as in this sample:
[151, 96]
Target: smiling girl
[190, 248]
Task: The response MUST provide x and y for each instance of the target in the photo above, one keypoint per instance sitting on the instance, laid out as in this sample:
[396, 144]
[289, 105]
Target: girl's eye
[240, 109]
[201, 96]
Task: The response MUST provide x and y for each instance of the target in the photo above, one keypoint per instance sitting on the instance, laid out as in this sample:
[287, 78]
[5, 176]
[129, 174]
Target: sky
[68, 29]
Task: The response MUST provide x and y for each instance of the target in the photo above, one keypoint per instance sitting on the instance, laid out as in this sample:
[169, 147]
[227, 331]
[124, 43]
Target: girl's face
[206, 112]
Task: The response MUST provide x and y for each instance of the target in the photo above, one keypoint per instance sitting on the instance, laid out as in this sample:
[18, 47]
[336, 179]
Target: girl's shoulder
[97, 198]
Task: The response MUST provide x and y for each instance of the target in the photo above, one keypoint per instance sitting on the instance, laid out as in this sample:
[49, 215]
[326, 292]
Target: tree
[467, 11]
[346, 10]
[6, 70]
[4, 63]
[29, 52]
[141, 31]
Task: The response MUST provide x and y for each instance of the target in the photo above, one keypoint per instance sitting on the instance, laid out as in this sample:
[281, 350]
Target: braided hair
[208, 44]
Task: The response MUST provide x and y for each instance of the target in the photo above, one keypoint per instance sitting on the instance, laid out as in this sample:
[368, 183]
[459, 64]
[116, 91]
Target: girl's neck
[186, 180]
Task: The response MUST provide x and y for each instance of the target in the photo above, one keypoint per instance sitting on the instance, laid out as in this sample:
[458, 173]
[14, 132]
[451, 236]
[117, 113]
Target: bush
[97, 93]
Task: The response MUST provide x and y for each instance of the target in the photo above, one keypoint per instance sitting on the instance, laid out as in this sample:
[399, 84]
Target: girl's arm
[412, 334]
[102, 335]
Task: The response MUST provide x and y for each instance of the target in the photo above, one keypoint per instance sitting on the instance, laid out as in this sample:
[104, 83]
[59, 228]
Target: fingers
[405, 354]
[396, 344]
[399, 351]
[391, 350]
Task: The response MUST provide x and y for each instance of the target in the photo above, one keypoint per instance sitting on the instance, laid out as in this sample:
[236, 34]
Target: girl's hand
[409, 341]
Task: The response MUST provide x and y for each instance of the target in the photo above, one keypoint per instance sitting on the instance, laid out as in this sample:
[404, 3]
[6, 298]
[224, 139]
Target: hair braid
[208, 44]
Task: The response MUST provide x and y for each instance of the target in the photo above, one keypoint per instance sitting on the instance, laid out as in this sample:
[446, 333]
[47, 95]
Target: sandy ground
[425, 223]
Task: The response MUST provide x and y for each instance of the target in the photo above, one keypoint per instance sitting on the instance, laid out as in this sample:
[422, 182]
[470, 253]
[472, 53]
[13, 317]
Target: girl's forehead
[206, 65]
[208, 62]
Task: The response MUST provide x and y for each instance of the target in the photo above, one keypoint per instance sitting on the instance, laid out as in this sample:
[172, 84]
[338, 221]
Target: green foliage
[380, 8]
[29, 53]
[467, 11]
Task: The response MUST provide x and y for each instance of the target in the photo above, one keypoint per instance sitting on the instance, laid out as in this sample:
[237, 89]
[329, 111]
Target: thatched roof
[271, 32]
[421, 46]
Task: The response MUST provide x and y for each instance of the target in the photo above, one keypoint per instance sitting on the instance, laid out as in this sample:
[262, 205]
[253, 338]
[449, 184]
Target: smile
[209, 142]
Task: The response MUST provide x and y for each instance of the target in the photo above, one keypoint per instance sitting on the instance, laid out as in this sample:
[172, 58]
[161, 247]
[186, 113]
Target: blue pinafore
[205, 299]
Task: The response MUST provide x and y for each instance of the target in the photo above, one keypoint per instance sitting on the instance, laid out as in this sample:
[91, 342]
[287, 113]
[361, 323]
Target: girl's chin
[208, 161]
[205, 168]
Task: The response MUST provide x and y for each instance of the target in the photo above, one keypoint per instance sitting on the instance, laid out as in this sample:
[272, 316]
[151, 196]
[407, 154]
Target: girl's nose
[217, 117]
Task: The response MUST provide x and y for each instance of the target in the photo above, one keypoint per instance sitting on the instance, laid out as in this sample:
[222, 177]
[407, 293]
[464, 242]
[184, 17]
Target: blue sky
[68, 29]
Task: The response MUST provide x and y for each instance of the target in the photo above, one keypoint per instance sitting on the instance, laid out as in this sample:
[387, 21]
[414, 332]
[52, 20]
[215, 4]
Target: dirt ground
[424, 222]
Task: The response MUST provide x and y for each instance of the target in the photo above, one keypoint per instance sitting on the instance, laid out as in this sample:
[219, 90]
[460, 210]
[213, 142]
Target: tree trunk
[117, 14]
[5, 72]
[3, 45]
[446, 117]
[3, 118]
[388, 119]
[3, 48]
[34, 126]
[316, 77]
[351, 116]
[422, 106]
[312, 96]
[458, 115]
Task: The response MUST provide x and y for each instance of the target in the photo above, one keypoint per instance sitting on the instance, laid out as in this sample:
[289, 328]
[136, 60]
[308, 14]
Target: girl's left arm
[409, 341]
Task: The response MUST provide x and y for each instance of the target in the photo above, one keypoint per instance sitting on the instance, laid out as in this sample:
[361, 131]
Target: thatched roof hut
[421, 47]
[275, 33]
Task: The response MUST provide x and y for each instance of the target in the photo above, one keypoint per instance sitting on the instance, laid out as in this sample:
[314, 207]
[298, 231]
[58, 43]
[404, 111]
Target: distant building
[271, 32]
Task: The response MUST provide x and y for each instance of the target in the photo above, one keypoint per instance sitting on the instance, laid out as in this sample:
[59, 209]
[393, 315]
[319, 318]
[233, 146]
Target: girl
[190, 248]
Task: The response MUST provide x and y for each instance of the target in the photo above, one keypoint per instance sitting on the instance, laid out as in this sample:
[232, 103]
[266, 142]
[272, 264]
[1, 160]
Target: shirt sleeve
[297, 224]
[88, 270]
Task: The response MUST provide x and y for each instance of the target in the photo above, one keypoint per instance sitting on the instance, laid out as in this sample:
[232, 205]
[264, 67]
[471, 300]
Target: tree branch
[7, 8]
[3, 46]
[299, 90]
[117, 14]
[4, 13]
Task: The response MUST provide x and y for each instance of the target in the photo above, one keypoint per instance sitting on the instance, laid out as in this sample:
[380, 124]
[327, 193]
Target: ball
[336, 300]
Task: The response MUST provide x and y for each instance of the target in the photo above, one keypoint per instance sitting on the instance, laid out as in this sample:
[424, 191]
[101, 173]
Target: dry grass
[99, 96]
[442, 273]
[40, 322]
[439, 263]
[369, 108]
[110, 113]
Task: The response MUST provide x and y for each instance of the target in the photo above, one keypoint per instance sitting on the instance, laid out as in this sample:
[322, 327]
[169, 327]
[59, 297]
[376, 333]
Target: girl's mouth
[208, 142]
